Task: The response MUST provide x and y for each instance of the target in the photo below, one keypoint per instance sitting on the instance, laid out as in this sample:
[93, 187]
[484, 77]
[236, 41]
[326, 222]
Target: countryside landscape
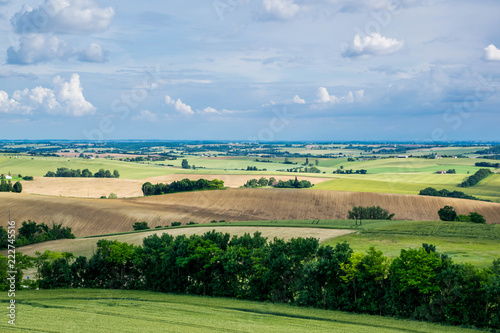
[249, 166]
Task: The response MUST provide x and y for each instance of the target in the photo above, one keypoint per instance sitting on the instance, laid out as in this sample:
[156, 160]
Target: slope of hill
[100, 216]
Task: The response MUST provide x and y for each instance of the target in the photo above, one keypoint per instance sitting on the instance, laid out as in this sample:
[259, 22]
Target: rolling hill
[100, 216]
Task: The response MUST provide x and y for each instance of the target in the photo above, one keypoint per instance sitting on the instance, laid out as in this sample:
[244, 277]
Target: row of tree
[350, 171]
[6, 186]
[476, 178]
[488, 164]
[291, 183]
[31, 233]
[185, 185]
[447, 213]
[419, 284]
[369, 213]
[430, 191]
[86, 173]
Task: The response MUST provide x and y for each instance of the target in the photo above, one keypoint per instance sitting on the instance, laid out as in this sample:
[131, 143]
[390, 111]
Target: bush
[447, 213]
[463, 218]
[112, 196]
[476, 217]
[140, 226]
[176, 224]
[191, 223]
[213, 221]
[27, 178]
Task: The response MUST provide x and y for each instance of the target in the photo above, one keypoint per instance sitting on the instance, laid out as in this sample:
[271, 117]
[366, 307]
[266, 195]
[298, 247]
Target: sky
[265, 70]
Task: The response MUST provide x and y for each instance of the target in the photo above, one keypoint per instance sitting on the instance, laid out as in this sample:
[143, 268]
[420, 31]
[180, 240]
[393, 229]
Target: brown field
[87, 246]
[101, 216]
[129, 188]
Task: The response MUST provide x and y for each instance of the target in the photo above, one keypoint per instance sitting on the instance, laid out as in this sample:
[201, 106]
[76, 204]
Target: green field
[138, 311]
[464, 242]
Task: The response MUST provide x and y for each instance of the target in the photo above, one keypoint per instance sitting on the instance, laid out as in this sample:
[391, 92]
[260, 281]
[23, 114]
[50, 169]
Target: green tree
[140, 226]
[476, 217]
[447, 213]
[18, 188]
[116, 174]
[185, 164]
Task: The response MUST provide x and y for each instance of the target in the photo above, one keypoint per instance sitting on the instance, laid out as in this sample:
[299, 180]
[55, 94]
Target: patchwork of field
[87, 246]
[101, 216]
[88, 310]
[412, 183]
[127, 188]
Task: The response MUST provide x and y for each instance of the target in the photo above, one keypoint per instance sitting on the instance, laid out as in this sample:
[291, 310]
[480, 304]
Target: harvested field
[100, 216]
[128, 188]
[87, 246]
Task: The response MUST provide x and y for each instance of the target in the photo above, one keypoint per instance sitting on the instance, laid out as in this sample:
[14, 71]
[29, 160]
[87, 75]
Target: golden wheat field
[87, 246]
[128, 188]
[100, 216]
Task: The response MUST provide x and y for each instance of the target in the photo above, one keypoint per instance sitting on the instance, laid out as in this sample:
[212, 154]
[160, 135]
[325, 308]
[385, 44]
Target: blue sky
[250, 70]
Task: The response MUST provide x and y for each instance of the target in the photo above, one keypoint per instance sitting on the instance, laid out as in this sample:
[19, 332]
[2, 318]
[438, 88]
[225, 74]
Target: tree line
[291, 183]
[185, 185]
[430, 191]
[31, 233]
[6, 186]
[369, 213]
[476, 178]
[85, 173]
[419, 284]
[487, 164]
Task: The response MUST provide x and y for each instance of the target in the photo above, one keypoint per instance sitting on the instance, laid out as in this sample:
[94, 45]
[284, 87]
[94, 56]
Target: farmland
[99, 216]
[139, 311]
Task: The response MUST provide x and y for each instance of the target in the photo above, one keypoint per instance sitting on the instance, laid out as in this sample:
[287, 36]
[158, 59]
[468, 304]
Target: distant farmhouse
[441, 172]
[402, 156]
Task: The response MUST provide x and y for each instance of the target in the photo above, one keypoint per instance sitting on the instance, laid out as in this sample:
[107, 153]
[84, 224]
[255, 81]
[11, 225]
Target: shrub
[213, 221]
[447, 213]
[176, 224]
[140, 226]
[191, 223]
[476, 217]
[112, 196]
[463, 218]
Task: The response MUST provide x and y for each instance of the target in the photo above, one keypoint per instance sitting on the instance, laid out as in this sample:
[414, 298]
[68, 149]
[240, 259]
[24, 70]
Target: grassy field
[412, 184]
[139, 311]
[463, 242]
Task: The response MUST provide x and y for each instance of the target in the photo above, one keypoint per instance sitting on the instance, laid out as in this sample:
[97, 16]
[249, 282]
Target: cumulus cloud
[146, 115]
[38, 48]
[281, 9]
[66, 98]
[351, 97]
[179, 106]
[372, 45]
[63, 16]
[491, 53]
[210, 110]
[93, 53]
[298, 100]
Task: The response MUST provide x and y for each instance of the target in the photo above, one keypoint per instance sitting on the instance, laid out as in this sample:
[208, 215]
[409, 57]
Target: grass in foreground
[139, 311]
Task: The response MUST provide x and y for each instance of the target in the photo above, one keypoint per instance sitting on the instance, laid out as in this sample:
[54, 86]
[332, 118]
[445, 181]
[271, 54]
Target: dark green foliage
[476, 178]
[447, 213]
[419, 284]
[18, 188]
[429, 191]
[66, 172]
[185, 185]
[487, 164]
[476, 217]
[176, 224]
[185, 164]
[140, 226]
[369, 213]
[27, 178]
[31, 233]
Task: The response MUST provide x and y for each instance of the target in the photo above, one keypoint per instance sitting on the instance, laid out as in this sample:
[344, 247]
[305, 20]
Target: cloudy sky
[250, 69]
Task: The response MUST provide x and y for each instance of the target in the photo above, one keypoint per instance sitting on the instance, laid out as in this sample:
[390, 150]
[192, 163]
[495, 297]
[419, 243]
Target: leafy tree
[18, 188]
[263, 182]
[86, 173]
[112, 196]
[447, 213]
[116, 174]
[140, 226]
[185, 164]
[476, 217]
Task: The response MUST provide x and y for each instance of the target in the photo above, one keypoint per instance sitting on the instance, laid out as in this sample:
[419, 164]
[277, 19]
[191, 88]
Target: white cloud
[63, 16]
[210, 110]
[491, 53]
[146, 115]
[281, 9]
[374, 44]
[93, 53]
[179, 106]
[298, 100]
[351, 97]
[38, 48]
[66, 98]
